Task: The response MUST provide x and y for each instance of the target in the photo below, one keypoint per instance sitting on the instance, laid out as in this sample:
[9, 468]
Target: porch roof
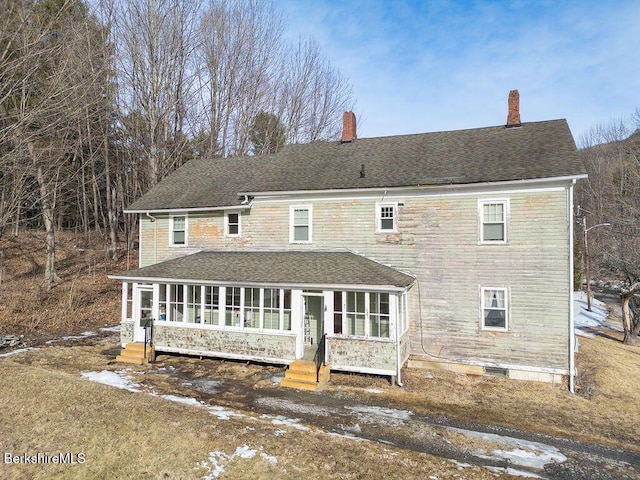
[278, 268]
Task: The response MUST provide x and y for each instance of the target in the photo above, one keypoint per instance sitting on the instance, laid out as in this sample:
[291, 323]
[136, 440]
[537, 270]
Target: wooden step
[135, 353]
[301, 374]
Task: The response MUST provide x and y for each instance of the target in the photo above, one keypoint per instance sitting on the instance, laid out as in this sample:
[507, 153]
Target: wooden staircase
[301, 374]
[134, 353]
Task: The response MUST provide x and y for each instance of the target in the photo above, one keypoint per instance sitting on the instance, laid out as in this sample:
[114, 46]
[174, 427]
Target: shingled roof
[535, 150]
[290, 268]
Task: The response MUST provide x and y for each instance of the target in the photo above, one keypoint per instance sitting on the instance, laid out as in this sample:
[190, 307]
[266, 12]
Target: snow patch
[72, 337]
[183, 400]
[585, 319]
[288, 422]
[117, 379]
[524, 454]
[383, 412]
[374, 390]
[115, 328]
[222, 413]
[19, 350]
[215, 464]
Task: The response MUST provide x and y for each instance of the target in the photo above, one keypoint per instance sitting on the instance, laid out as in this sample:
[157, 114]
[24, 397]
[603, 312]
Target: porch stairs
[301, 374]
[134, 353]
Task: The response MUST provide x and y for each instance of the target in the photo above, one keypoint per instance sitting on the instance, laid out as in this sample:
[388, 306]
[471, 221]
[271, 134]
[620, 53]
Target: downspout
[572, 331]
[155, 237]
[398, 322]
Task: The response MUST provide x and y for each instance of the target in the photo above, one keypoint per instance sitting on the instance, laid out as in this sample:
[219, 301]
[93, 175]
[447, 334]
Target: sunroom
[273, 307]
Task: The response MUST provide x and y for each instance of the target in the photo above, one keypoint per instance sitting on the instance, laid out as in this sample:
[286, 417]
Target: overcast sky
[423, 66]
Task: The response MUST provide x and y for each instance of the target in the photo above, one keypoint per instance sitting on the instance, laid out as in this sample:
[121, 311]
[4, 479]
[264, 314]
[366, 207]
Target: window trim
[171, 230]
[292, 210]
[379, 207]
[505, 206]
[507, 303]
[227, 233]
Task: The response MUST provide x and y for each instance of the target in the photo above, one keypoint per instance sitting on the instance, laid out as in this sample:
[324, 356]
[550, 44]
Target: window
[252, 308]
[178, 230]
[356, 313]
[300, 224]
[176, 303]
[379, 314]
[232, 303]
[194, 304]
[337, 313]
[232, 224]
[494, 309]
[386, 214]
[271, 309]
[493, 225]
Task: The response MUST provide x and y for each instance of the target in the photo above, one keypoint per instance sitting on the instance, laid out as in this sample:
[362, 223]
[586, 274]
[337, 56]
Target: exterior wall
[126, 332]
[365, 356]
[438, 242]
[227, 344]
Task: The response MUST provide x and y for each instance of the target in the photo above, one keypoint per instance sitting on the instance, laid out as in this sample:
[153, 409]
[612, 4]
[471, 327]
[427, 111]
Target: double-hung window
[178, 227]
[495, 312]
[493, 221]
[232, 224]
[300, 228]
[386, 217]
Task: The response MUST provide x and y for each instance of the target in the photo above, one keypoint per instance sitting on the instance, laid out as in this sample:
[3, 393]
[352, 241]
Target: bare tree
[612, 195]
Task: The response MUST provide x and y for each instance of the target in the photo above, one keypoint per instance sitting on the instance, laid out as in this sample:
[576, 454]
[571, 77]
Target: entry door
[144, 297]
[313, 322]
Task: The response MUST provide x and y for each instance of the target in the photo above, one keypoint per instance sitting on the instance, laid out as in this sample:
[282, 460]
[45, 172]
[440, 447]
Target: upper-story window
[300, 227]
[493, 221]
[386, 217]
[178, 228]
[232, 224]
[494, 309]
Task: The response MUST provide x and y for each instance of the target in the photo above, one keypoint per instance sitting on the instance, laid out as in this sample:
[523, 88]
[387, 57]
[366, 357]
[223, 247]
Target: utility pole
[586, 257]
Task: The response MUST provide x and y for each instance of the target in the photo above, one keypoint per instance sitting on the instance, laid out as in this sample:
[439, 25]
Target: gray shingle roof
[536, 150]
[273, 268]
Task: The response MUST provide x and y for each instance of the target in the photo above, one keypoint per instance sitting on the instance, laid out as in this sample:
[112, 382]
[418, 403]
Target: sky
[425, 66]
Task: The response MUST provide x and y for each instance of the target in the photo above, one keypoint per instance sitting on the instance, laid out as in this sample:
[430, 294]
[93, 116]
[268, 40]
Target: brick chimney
[348, 127]
[513, 117]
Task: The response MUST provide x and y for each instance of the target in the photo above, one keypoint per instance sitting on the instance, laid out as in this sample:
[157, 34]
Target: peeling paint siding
[437, 241]
[126, 332]
[346, 353]
[257, 345]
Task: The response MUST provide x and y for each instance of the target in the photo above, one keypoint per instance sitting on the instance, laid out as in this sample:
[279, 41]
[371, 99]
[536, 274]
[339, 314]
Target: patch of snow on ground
[513, 472]
[222, 413]
[374, 390]
[525, 454]
[73, 337]
[382, 412]
[215, 463]
[117, 379]
[19, 350]
[115, 328]
[585, 320]
[183, 400]
[289, 422]
[296, 407]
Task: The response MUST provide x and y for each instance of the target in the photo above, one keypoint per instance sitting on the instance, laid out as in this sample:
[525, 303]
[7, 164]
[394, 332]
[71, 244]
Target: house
[438, 250]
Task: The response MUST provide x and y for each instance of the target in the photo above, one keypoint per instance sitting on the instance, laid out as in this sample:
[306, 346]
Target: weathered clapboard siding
[438, 242]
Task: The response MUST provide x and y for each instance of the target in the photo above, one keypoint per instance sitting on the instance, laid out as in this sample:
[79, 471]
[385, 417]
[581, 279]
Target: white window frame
[379, 207]
[171, 230]
[227, 233]
[292, 210]
[505, 291]
[505, 221]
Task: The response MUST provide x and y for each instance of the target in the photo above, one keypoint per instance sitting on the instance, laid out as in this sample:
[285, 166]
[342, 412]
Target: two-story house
[440, 250]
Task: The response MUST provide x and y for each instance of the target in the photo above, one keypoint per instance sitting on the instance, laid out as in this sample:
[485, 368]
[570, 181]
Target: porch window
[178, 230]
[252, 308]
[232, 224]
[379, 314]
[271, 308]
[300, 224]
[356, 313]
[194, 304]
[211, 305]
[337, 313]
[232, 307]
[176, 303]
[162, 307]
[286, 310]
[494, 309]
